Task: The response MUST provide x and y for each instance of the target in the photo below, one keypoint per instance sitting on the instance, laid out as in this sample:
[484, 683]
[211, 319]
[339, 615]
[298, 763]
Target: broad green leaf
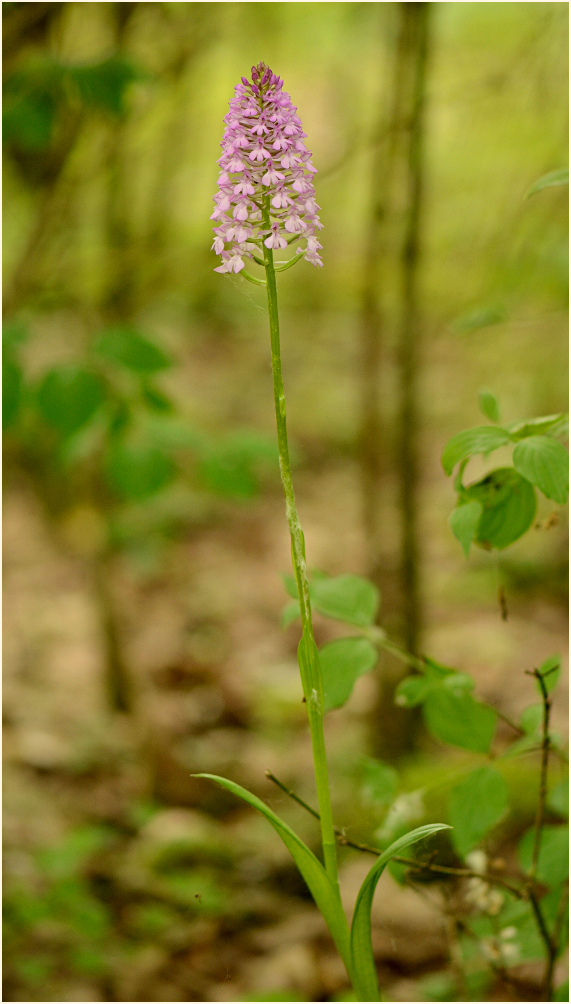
[545, 462]
[137, 472]
[553, 861]
[482, 439]
[558, 799]
[509, 505]
[290, 613]
[435, 670]
[103, 85]
[362, 960]
[548, 425]
[68, 397]
[464, 522]
[550, 671]
[458, 719]
[379, 781]
[228, 475]
[312, 871]
[347, 598]
[127, 347]
[559, 177]
[531, 718]
[476, 804]
[412, 690]
[489, 405]
[11, 389]
[342, 661]
[459, 683]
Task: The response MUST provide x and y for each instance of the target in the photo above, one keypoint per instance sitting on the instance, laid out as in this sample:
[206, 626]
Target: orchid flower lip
[265, 167]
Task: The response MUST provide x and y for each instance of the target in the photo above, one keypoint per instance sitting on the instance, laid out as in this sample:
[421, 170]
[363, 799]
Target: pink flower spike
[240, 211]
[265, 167]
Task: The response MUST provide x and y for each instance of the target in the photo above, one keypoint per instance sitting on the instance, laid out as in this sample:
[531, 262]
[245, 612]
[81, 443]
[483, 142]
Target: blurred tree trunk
[415, 44]
[396, 187]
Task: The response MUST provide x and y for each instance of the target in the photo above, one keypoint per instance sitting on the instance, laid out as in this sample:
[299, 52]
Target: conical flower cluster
[266, 176]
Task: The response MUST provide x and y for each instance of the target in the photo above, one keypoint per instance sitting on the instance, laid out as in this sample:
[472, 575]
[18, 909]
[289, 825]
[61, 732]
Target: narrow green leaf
[545, 462]
[509, 505]
[482, 439]
[379, 781]
[68, 397]
[347, 598]
[489, 405]
[550, 670]
[362, 960]
[559, 177]
[458, 719]
[476, 804]
[464, 522]
[312, 871]
[127, 347]
[553, 862]
[342, 661]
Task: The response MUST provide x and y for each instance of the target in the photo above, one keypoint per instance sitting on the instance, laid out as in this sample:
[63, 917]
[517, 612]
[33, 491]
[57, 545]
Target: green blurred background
[145, 532]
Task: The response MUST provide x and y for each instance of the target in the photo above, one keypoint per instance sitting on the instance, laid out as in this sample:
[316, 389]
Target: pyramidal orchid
[265, 189]
[265, 202]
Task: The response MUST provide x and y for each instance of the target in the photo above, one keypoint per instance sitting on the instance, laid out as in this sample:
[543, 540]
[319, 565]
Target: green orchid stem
[314, 699]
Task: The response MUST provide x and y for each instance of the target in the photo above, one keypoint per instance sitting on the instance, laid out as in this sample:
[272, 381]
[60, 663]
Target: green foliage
[362, 959]
[450, 712]
[476, 804]
[483, 439]
[69, 396]
[456, 718]
[562, 992]
[379, 781]
[559, 177]
[41, 92]
[550, 671]
[506, 495]
[12, 382]
[558, 799]
[130, 349]
[508, 507]
[489, 405]
[464, 520]
[138, 472]
[315, 876]
[553, 861]
[544, 462]
[347, 598]
[342, 661]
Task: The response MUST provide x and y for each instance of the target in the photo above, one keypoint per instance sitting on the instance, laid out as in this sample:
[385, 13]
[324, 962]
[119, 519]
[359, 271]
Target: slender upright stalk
[314, 698]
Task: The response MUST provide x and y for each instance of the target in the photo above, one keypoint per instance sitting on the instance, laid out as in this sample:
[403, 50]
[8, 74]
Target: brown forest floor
[216, 689]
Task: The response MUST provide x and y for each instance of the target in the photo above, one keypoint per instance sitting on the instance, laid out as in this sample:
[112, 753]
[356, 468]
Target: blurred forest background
[145, 529]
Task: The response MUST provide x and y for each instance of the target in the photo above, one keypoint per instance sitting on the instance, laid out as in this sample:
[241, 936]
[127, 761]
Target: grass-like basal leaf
[362, 960]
